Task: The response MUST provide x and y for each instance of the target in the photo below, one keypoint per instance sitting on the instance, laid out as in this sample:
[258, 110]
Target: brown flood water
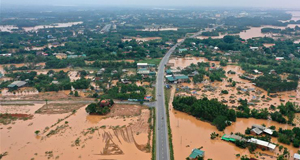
[187, 61]
[20, 141]
[189, 133]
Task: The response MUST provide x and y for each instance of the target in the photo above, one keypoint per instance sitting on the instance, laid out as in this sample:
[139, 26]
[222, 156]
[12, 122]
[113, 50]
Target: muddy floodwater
[119, 135]
[189, 133]
[56, 25]
[252, 32]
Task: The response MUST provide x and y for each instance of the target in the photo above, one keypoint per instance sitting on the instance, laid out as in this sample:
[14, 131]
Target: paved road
[162, 141]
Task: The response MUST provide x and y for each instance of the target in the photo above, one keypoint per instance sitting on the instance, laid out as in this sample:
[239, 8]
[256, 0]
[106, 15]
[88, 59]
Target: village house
[101, 71]
[232, 138]
[196, 153]
[172, 71]
[177, 78]
[40, 53]
[147, 98]
[17, 84]
[272, 71]
[254, 48]
[279, 58]
[262, 144]
[296, 156]
[6, 55]
[258, 129]
[180, 50]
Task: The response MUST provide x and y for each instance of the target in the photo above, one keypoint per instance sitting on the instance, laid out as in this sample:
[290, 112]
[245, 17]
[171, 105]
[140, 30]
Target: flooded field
[189, 133]
[187, 61]
[252, 32]
[248, 90]
[122, 134]
[7, 28]
[55, 25]
[295, 15]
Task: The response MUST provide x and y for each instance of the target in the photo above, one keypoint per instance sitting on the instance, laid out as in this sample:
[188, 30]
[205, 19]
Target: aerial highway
[162, 141]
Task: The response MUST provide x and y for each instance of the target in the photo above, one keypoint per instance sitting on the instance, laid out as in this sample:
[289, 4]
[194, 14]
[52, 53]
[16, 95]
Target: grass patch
[152, 61]
[167, 99]
[154, 134]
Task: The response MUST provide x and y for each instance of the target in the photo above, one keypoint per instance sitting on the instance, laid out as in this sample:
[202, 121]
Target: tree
[76, 94]
[233, 84]
[37, 132]
[220, 122]
[228, 39]
[296, 143]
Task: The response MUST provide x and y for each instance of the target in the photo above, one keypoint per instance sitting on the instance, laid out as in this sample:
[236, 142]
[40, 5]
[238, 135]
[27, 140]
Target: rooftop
[196, 153]
[17, 83]
[262, 143]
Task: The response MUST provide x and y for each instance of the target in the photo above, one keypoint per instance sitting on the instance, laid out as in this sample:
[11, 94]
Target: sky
[164, 3]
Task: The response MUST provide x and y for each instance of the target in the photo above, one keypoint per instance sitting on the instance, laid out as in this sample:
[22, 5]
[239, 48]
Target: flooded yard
[122, 134]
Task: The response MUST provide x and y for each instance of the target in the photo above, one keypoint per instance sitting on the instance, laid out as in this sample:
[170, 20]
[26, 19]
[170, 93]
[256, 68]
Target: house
[172, 71]
[177, 78]
[102, 70]
[40, 53]
[142, 65]
[232, 138]
[279, 58]
[125, 81]
[180, 50]
[1, 75]
[145, 71]
[296, 156]
[196, 153]
[256, 71]
[147, 98]
[262, 144]
[104, 103]
[254, 48]
[169, 43]
[258, 129]
[17, 84]
[6, 55]
[272, 71]
[55, 82]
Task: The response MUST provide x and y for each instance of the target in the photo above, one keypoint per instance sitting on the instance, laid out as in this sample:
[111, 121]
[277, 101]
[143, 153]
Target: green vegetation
[274, 83]
[167, 100]
[153, 134]
[100, 108]
[209, 110]
[124, 92]
[155, 61]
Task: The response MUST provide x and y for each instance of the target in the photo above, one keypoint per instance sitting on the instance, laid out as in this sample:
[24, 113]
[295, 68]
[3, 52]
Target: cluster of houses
[260, 143]
[256, 130]
[174, 76]
[146, 69]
